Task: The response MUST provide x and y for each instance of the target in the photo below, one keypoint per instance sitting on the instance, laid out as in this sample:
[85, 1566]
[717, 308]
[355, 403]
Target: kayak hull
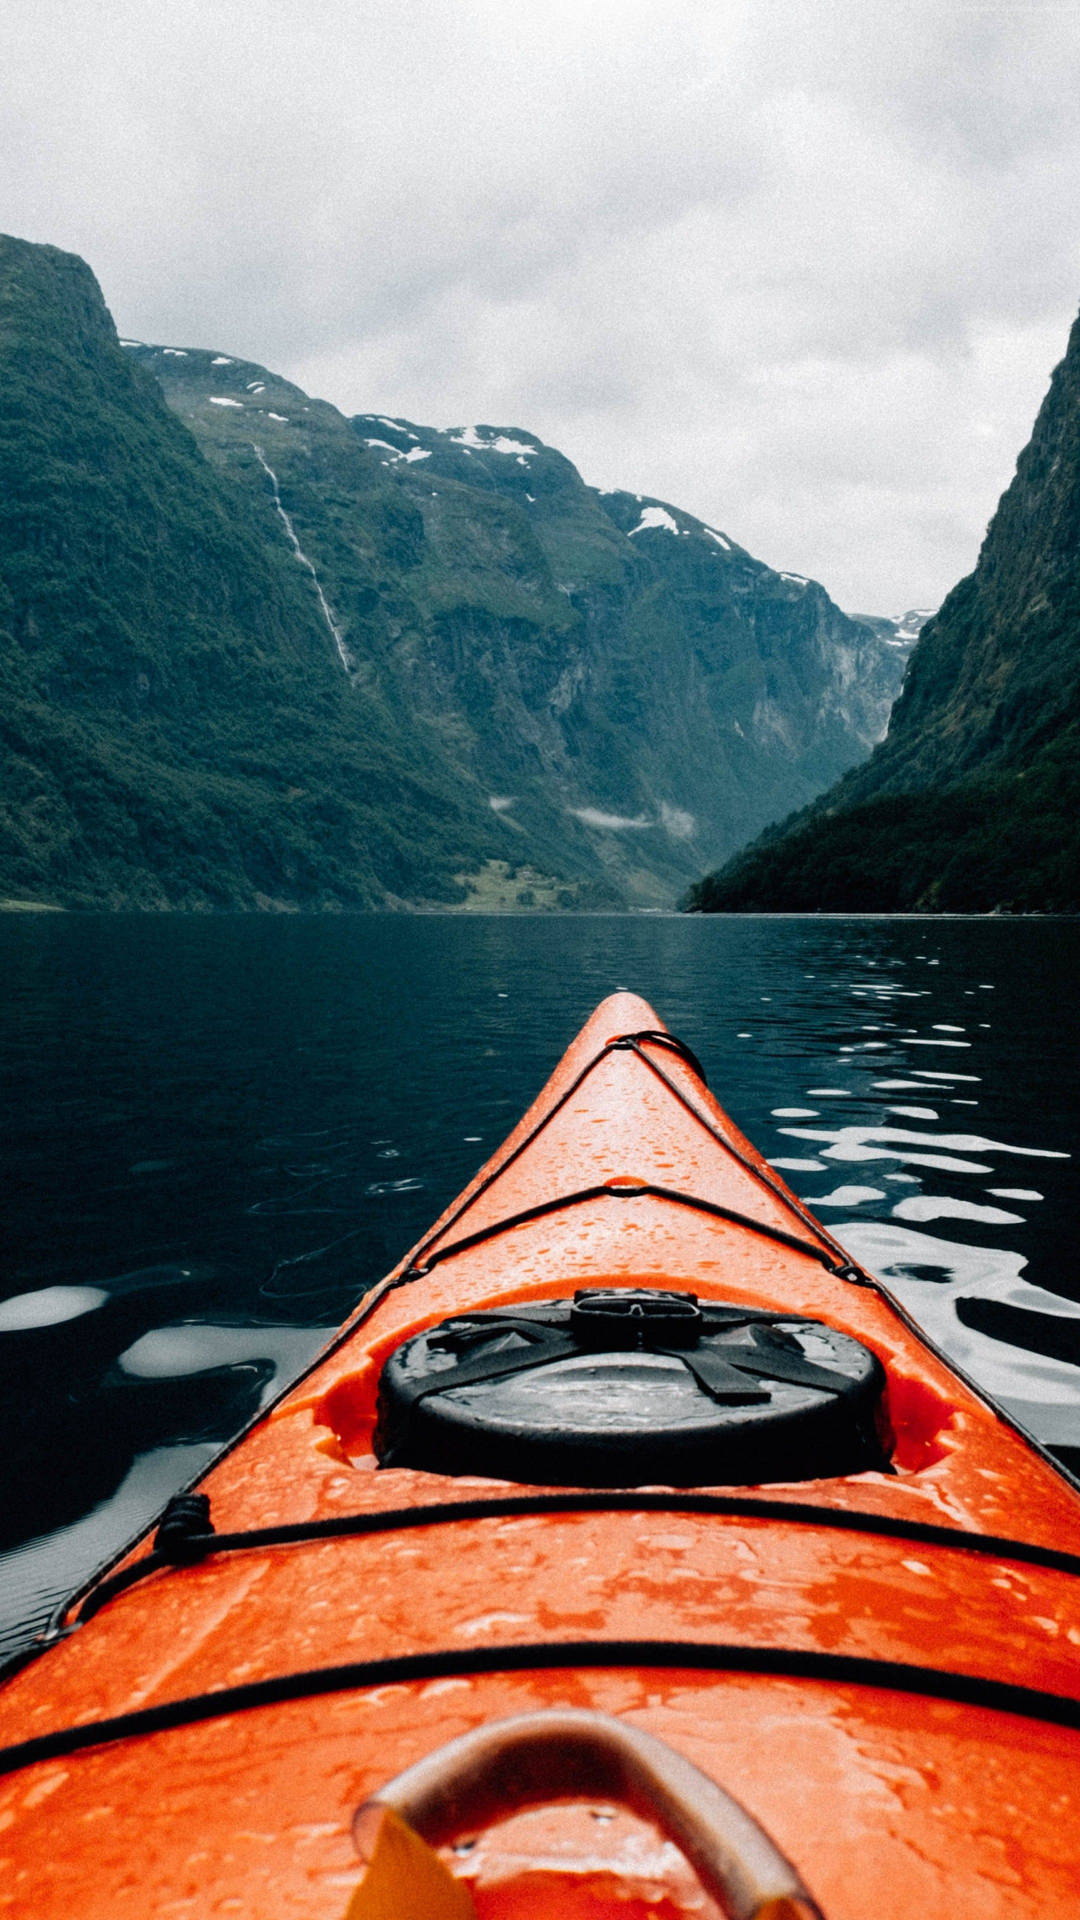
[898, 1709]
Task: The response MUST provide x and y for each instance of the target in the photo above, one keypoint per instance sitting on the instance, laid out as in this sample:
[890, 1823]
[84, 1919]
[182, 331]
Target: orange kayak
[627, 1553]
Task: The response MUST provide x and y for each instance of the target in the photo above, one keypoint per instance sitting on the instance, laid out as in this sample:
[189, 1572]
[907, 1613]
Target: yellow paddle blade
[404, 1879]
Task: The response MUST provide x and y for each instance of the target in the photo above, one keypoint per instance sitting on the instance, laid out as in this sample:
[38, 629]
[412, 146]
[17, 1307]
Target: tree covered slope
[175, 725]
[255, 654]
[972, 801]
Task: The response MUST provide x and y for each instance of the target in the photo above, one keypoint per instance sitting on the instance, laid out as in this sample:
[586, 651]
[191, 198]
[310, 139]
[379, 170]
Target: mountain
[255, 654]
[629, 686]
[900, 633]
[972, 801]
[176, 727]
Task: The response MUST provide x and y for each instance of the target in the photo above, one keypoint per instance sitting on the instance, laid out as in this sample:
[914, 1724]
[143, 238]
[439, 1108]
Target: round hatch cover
[623, 1387]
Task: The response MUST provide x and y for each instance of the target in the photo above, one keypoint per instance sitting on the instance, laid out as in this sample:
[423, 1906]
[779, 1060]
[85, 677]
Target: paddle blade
[403, 1878]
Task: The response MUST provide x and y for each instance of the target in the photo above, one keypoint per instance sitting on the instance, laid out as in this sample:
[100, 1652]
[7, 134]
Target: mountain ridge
[525, 613]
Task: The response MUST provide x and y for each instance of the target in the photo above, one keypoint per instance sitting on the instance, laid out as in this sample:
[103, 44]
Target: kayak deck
[899, 1709]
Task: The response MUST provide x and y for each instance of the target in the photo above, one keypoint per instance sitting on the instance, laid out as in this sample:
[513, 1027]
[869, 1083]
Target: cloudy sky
[800, 266]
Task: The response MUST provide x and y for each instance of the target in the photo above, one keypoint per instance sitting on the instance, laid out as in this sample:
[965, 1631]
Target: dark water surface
[215, 1133]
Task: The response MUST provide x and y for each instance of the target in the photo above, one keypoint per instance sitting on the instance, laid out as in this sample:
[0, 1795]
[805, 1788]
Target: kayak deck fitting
[626, 1552]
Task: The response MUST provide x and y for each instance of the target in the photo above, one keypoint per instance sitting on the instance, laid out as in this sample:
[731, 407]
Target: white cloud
[802, 269]
[676, 821]
[612, 822]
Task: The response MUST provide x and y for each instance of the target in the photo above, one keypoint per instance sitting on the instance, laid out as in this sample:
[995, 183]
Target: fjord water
[216, 1133]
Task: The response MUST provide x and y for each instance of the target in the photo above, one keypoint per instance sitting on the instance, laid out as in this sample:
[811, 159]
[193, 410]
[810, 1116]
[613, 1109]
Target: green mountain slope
[252, 653]
[176, 727]
[973, 800]
[629, 688]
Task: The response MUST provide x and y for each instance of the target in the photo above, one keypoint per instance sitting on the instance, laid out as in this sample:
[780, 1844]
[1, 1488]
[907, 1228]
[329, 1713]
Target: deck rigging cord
[186, 1534]
[799, 1663]
[604, 1190]
[422, 1260]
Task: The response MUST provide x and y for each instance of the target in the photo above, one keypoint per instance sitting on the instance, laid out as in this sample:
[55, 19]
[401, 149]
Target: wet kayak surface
[218, 1132]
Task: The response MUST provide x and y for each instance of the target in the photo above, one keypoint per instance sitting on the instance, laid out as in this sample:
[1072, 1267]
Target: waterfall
[336, 634]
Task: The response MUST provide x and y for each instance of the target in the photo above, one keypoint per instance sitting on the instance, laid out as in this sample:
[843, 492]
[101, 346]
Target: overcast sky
[800, 266]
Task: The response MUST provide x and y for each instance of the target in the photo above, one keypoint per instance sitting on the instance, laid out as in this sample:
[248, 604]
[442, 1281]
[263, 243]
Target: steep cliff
[176, 727]
[973, 800]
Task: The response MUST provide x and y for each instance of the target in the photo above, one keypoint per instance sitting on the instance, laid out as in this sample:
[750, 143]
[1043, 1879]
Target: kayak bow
[628, 1552]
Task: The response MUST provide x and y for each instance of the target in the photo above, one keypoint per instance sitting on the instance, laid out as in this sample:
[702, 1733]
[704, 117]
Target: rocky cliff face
[972, 799]
[630, 687]
[897, 636]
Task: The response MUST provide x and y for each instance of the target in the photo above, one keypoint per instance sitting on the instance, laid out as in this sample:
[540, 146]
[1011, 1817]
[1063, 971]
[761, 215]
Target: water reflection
[1019, 1340]
[217, 1133]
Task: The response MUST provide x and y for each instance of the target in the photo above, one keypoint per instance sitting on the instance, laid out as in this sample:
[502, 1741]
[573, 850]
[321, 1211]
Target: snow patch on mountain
[501, 443]
[655, 518]
[398, 453]
[219, 400]
[910, 625]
